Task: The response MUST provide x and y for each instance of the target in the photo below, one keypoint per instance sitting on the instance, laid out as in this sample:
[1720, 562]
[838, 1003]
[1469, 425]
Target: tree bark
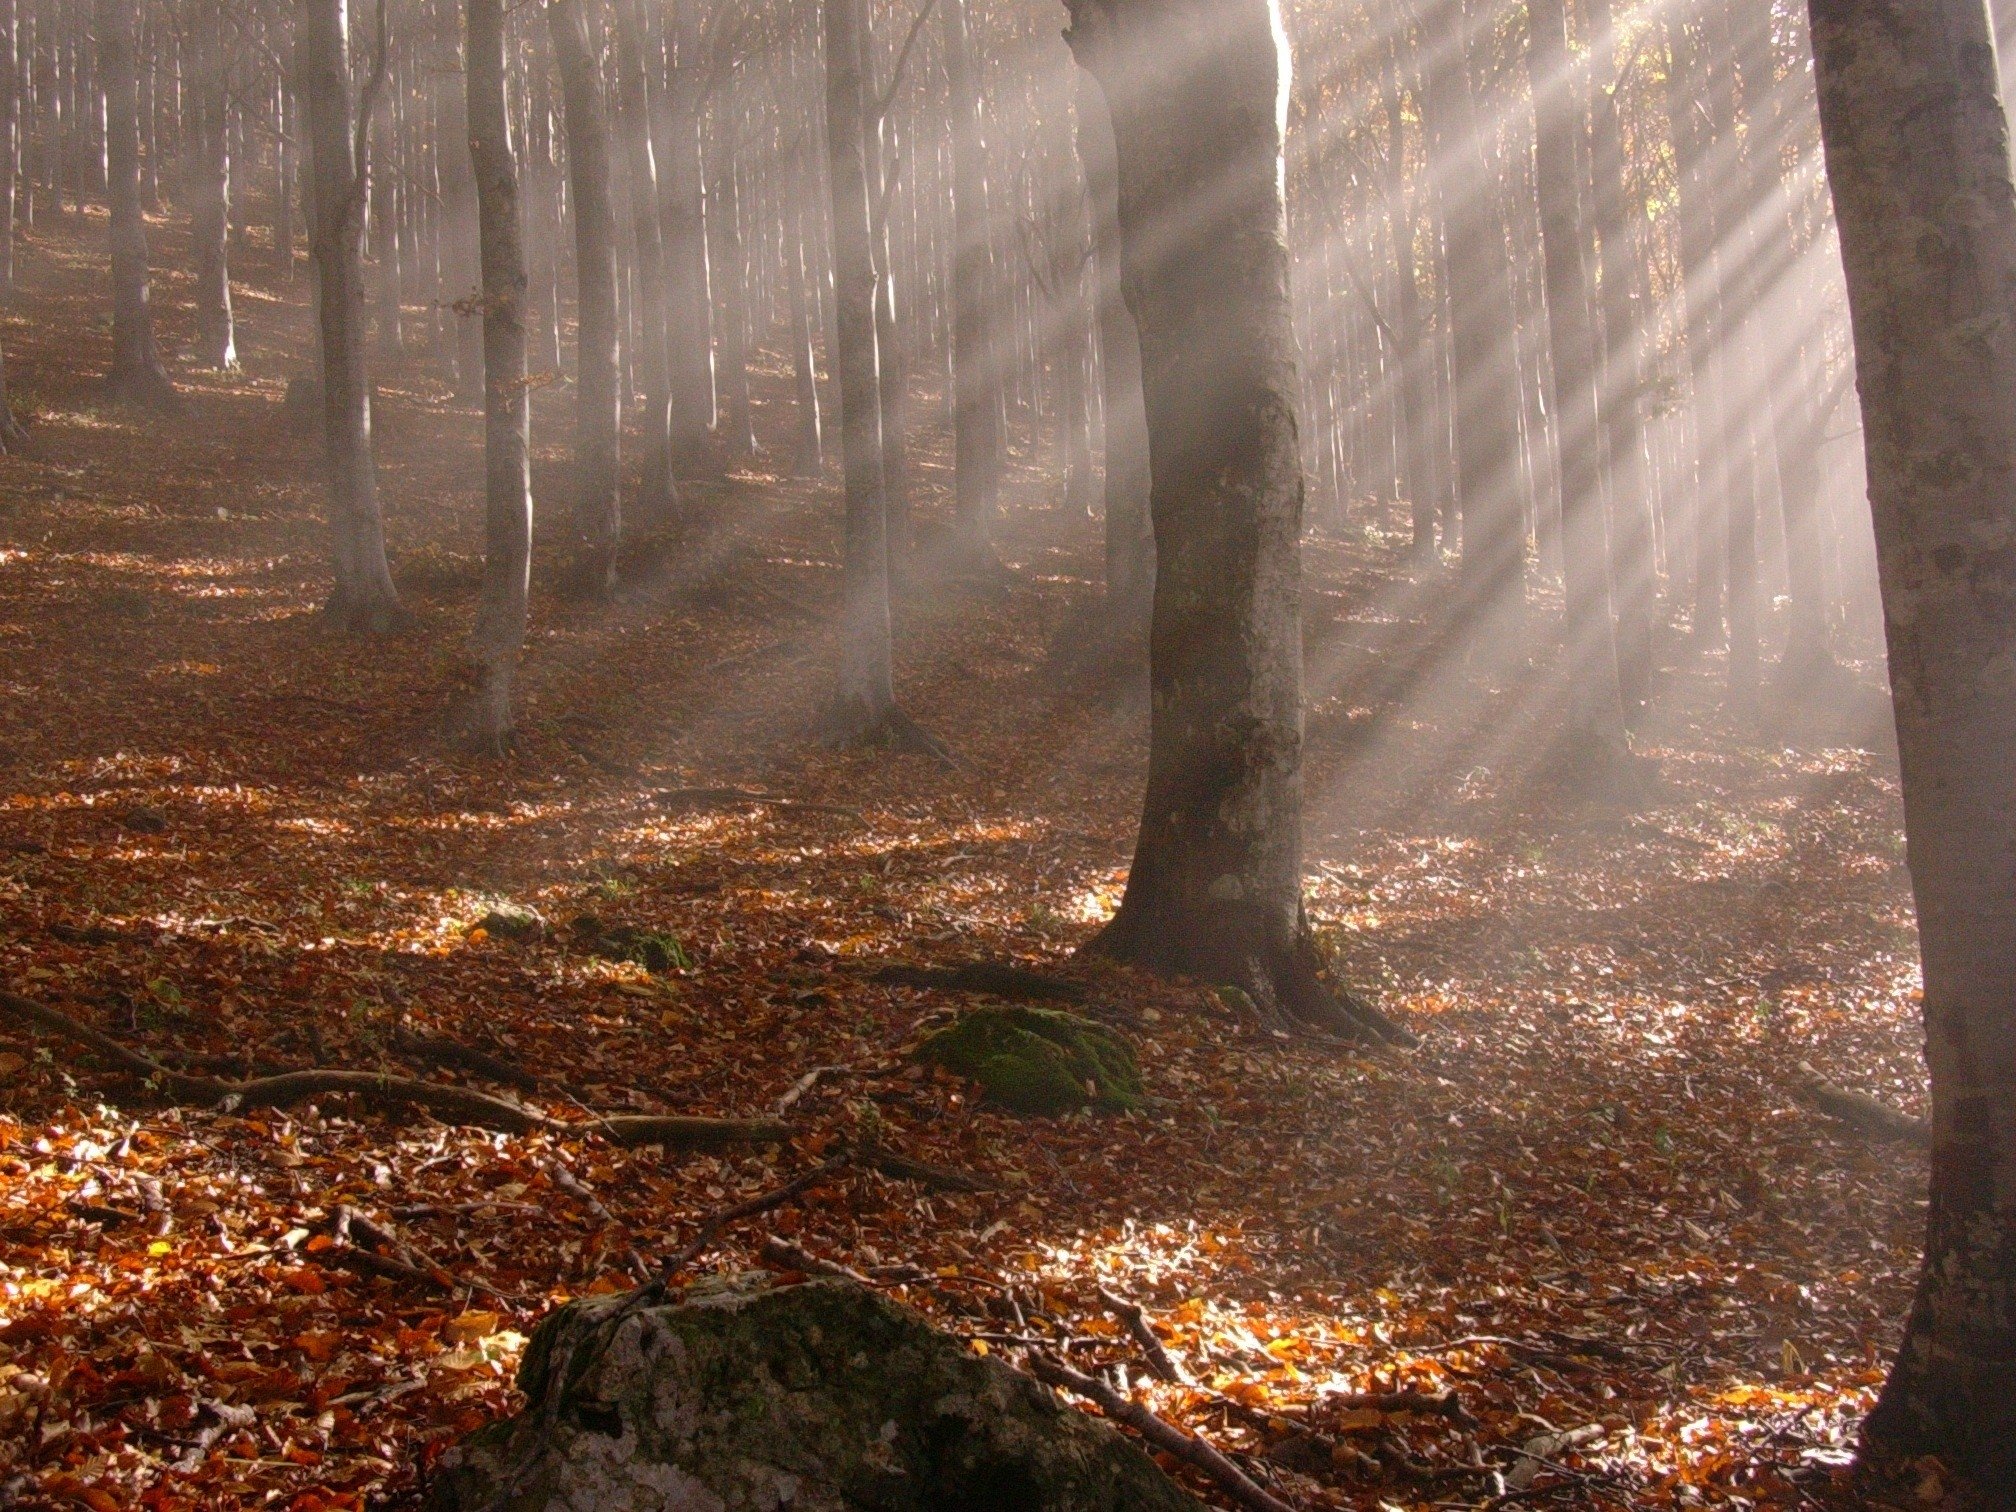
[10, 140]
[499, 636]
[656, 490]
[864, 697]
[137, 375]
[1196, 89]
[1130, 533]
[207, 177]
[976, 373]
[364, 598]
[808, 453]
[1917, 149]
[598, 377]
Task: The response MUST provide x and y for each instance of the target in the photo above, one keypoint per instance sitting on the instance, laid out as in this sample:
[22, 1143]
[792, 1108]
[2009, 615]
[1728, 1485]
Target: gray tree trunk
[976, 373]
[598, 431]
[1593, 742]
[1216, 888]
[1917, 147]
[137, 375]
[207, 181]
[499, 636]
[656, 491]
[364, 598]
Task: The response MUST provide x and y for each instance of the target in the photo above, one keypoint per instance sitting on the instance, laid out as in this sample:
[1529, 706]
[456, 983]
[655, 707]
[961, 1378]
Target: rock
[745, 1395]
[513, 921]
[1038, 1060]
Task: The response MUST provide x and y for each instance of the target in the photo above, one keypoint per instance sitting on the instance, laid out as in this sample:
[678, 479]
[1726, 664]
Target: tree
[657, 492]
[1917, 151]
[137, 375]
[976, 376]
[364, 598]
[1196, 89]
[507, 400]
[1594, 741]
[207, 174]
[598, 427]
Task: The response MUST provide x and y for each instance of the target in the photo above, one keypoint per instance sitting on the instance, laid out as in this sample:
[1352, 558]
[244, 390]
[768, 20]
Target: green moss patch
[1038, 1060]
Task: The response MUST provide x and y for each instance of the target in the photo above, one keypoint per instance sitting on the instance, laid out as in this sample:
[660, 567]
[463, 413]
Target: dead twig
[1163, 1435]
[1131, 1314]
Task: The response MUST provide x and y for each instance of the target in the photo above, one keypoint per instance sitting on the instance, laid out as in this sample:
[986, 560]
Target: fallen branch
[450, 1104]
[1861, 1111]
[1163, 1435]
[1136, 1320]
[1431, 1403]
[783, 1252]
[903, 1168]
[994, 978]
[439, 1050]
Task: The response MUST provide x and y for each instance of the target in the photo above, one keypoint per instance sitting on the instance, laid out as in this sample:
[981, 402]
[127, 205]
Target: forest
[1007, 755]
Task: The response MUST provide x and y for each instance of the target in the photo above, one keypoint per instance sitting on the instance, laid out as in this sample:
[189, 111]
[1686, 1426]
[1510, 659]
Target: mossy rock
[651, 949]
[745, 1395]
[1039, 1060]
[513, 921]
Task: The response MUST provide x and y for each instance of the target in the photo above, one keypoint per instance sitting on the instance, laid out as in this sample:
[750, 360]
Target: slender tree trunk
[864, 702]
[207, 178]
[364, 598]
[976, 373]
[598, 389]
[1130, 532]
[458, 227]
[683, 192]
[808, 454]
[137, 375]
[657, 492]
[499, 637]
[1634, 581]
[1416, 401]
[1216, 886]
[736, 428]
[1594, 739]
[385, 232]
[1917, 146]
[10, 141]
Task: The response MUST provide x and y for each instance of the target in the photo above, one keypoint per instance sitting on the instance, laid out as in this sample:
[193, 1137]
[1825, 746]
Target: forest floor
[1594, 1201]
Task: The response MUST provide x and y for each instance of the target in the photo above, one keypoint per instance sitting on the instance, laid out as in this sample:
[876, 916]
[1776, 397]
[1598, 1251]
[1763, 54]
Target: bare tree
[137, 375]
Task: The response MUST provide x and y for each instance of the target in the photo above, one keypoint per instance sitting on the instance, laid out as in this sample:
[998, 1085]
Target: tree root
[890, 730]
[450, 1104]
[1862, 1112]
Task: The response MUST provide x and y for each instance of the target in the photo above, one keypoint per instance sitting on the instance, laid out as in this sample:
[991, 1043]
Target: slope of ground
[1594, 1200]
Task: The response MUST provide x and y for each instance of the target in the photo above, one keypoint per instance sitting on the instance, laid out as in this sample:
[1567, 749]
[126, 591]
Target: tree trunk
[598, 387]
[1594, 742]
[864, 698]
[458, 227]
[1130, 533]
[684, 208]
[1415, 401]
[656, 491]
[364, 598]
[137, 375]
[10, 141]
[976, 373]
[737, 430]
[808, 452]
[1917, 148]
[207, 180]
[1195, 89]
[507, 402]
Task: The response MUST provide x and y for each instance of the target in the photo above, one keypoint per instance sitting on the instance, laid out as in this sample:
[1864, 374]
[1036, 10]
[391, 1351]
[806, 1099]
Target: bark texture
[1917, 148]
[598, 514]
[137, 374]
[1197, 92]
[507, 400]
[976, 375]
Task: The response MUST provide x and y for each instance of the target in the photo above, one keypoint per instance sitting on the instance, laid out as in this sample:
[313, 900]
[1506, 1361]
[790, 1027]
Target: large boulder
[751, 1396]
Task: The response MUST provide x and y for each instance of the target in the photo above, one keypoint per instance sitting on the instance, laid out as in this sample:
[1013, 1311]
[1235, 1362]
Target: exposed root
[451, 1104]
[995, 978]
[848, 725]
[349, 613]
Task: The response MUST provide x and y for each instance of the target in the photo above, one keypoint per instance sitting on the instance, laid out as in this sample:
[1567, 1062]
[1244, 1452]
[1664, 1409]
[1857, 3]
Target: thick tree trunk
[656, 491]
[976, 372]
[598, 365]
[499, 636]
[207, 181]
[1917, 147]
[137, 375]
[364, 598]
[1130, 533]
[1594, 743]
[864, 698]
[1195, 89]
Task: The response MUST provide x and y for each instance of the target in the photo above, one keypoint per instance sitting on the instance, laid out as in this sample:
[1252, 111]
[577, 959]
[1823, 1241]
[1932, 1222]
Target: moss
[513, 921]
[652, 950]
[1038, 1060]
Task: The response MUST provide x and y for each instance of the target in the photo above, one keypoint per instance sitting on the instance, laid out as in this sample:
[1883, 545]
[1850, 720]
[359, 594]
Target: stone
[1038, 1060]
[751, 1395]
